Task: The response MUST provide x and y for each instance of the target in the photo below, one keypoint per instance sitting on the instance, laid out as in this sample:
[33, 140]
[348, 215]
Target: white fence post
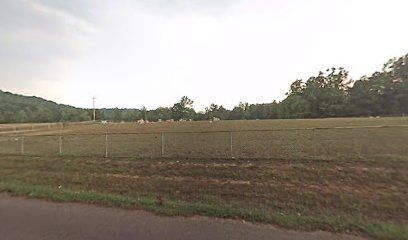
[106, 145]
[231, 149]
[162, 145]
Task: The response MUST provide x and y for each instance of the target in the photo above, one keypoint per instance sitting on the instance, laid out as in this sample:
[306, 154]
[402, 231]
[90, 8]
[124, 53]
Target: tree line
[330, 93]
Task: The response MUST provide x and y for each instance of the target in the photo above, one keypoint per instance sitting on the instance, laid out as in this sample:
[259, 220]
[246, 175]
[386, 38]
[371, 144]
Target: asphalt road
[28, 219]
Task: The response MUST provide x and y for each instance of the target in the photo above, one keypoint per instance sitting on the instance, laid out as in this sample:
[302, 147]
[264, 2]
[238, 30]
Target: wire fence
[307, 143]
[30, 127]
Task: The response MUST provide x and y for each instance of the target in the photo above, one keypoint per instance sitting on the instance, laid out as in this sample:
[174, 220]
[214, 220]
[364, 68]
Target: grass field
[317, 187]
[269, 139]
[230, 125]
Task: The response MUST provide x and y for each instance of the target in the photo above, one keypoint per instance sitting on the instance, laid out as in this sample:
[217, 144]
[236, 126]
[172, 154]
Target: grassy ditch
[361, 197]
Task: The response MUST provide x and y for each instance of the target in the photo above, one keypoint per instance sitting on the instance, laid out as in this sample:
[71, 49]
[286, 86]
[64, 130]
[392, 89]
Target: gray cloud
[175, 7]
[40, 29]
[34, 36]
[79, 8]
[86, 9]
[35, 33]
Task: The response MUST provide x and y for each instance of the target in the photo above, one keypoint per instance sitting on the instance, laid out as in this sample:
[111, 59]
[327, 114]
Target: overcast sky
[136, 53]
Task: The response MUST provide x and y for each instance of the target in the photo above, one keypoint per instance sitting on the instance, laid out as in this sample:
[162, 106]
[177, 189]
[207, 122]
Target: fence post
[231, 149]
[314, 143]
[60, 145]
[106, 145]
[22, 145]
[162, 145]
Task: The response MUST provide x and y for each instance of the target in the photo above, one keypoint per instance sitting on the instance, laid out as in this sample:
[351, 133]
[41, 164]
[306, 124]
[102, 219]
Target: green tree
[162, 113]
[323, 95]
[383, 93]
[183, 109]
[215, 111]
[117, 115]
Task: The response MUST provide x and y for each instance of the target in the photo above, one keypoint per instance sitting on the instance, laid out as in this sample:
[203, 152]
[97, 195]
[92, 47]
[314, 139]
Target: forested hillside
[330, 93]
[333, 94]
[16, 108]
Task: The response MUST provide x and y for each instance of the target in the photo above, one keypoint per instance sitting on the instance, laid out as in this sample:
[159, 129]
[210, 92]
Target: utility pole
[94, 113]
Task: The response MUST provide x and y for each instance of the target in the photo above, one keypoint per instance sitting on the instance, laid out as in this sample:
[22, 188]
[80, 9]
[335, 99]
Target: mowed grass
[326, 190]
[236, 125]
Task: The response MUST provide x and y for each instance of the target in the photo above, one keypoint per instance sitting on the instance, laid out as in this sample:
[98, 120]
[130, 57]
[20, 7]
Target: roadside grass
[328, 222]
[360, 197]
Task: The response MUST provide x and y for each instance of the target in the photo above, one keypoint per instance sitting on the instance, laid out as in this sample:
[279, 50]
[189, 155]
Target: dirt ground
[22, 218]
[334, 139]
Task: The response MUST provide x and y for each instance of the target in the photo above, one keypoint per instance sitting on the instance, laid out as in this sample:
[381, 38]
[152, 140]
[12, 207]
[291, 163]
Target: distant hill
[15, 108]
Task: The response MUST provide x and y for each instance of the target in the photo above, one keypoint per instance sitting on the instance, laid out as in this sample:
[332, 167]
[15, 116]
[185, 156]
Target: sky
[134, 53]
